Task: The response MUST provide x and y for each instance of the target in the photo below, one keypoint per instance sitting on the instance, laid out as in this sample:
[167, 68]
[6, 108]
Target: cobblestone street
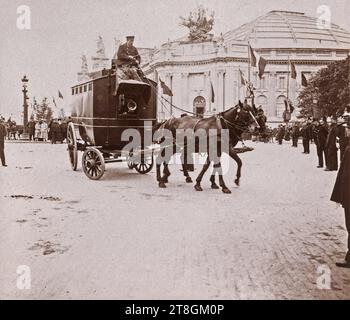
[124, 238]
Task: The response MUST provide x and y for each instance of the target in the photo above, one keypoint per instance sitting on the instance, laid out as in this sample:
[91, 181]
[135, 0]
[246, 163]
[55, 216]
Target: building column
[219, 92]
[271, 99]
[185, 91]
[207, 91]
[230, 88]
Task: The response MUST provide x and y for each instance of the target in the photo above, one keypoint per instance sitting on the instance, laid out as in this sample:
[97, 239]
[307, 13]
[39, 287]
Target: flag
[289, 106]
[212, 92]
[257, 61]
[294, 70]
[243, 80]
[166, 89]
[60, 94]
[303, 80]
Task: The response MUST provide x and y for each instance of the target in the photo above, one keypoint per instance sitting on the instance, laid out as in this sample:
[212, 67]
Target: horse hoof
[162, 185]
[226, 190]
[189, 180]
[215, 186]
[198, 188]
[237, 182]
[165, 180]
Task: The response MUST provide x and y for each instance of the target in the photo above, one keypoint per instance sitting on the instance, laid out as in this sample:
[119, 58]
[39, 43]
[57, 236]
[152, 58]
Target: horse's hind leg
[238, 160]
[185, 170]
[217, 168]
[166, 172]
[213, 183]
[160, 179]
[200, 177]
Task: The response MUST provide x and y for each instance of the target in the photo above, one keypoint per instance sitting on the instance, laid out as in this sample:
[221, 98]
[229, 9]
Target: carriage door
[199, 104]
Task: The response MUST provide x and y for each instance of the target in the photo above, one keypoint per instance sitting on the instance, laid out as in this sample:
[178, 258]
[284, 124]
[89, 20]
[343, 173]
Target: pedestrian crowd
[54, 131]
[329, 137]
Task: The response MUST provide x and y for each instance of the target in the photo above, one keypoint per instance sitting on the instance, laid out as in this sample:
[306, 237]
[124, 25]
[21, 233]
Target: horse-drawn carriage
[102, 109]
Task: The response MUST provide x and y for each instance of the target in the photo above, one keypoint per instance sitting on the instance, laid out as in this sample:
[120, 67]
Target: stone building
[190, 68]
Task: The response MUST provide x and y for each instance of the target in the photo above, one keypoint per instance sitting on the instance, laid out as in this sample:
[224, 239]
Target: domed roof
[286, 29]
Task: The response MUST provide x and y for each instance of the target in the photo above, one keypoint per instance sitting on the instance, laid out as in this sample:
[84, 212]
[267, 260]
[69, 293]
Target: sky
[49, 54]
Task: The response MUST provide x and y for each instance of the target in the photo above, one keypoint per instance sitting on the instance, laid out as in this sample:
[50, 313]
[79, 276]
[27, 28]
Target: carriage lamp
[132, 105]
[25, 135]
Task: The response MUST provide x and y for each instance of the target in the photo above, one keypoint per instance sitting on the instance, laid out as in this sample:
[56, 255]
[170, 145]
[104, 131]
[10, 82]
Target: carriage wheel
[93, 163]
[146, 164]
[131, 164]
[72, 146]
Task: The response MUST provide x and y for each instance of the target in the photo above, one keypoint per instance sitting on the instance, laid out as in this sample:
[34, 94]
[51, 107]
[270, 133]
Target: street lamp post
[25, 135]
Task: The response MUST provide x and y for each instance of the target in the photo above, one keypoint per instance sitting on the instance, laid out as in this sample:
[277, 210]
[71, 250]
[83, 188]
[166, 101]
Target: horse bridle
[245, 124]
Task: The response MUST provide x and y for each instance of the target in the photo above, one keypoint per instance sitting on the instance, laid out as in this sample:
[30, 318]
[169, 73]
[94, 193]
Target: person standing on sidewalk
[341, 195]
[3, 134]
[295, 135]
[320, 137]
[331, 147]
[306, 133]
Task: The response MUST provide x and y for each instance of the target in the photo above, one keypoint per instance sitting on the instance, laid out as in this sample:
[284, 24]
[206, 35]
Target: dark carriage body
[102, 110]
[101, 113]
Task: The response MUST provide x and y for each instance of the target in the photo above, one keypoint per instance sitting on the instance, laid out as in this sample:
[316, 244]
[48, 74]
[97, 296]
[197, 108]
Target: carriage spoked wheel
[93, 163]
[131, 164]
[146, 164]
[72, 146]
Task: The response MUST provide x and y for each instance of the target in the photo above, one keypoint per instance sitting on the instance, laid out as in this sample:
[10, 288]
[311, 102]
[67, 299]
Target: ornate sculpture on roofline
[199, 24]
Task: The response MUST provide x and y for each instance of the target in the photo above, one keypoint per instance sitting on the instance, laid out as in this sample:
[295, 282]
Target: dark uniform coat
[3, 134]
[341, 192]
[343, 140]
[123, 54]
[295, 135]
[320, 137]
[280, 134]
[306, 133]
[331, 149]
[55, 132]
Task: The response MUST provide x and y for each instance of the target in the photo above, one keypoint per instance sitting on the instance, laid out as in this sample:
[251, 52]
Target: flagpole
[249, 61]
[288, 78]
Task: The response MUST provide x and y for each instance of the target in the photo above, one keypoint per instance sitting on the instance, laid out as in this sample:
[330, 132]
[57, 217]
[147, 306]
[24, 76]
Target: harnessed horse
[235, 120]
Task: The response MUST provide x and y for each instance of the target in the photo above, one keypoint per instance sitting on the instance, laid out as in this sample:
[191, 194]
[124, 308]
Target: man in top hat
[3, 134]
[341, 194]
[128, 60]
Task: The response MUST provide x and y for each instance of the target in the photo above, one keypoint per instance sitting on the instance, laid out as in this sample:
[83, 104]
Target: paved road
[123, 238]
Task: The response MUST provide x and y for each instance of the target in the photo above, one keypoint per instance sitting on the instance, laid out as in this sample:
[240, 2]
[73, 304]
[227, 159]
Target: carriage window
[90, 86]
[72, 91]
[76, 90]
[80, 89]
[85, 88]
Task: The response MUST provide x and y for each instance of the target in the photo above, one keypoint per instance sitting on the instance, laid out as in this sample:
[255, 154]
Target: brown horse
[235, 120]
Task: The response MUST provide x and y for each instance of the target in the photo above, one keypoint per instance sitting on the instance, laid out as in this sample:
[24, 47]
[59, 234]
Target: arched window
[280, 106]
[262, 101]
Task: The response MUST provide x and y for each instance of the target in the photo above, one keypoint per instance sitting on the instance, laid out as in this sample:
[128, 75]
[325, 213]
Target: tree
[328, 92]
[43, 111]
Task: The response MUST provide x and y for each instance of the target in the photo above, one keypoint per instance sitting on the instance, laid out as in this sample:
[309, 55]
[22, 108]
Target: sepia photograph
[175, 150]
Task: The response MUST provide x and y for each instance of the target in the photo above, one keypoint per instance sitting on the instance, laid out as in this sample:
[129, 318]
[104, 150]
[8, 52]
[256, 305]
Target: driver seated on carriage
[128, 61]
